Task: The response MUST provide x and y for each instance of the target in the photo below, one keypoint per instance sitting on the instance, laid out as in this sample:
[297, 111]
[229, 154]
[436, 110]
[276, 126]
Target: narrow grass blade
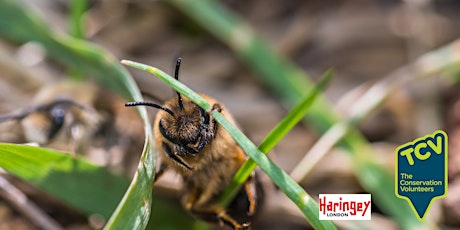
[288, 122]
[293, 190]
[76, 22]
[76, 19]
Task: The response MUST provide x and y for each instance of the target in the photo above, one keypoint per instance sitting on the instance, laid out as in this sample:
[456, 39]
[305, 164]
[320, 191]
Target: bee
[56, 115]
[192, 144]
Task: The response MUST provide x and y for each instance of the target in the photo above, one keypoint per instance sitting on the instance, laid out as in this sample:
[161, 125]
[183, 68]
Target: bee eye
[204, 116]
[57, 121]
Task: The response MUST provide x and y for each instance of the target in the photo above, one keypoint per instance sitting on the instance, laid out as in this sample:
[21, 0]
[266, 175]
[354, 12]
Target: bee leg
[225, 218]
[215, 213]
[216, 107]
[251, 192]
[197, 204]
[189, 199]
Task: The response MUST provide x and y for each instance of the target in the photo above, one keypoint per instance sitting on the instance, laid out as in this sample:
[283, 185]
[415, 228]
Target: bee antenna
[143, 103]
[176, 76]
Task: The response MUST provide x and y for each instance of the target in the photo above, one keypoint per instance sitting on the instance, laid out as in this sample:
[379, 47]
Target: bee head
[186, 126]
[190, 128]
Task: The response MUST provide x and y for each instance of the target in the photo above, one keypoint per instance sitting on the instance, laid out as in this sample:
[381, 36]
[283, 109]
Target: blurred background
[366, 43]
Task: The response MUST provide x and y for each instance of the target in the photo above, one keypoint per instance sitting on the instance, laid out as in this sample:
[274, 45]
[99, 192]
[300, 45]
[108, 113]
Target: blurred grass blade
[306, 204]
[292, 83]
[77, 19]
[288, 122]
[296, 114]
[23, 26]
[76, 28]
[90, 189]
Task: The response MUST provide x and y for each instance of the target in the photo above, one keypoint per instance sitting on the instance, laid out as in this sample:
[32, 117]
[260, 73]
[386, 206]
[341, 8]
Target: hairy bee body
[209, 167]
[206, 169]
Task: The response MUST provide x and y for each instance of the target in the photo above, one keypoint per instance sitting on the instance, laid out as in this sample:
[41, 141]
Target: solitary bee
[58, 112]
[195, 146]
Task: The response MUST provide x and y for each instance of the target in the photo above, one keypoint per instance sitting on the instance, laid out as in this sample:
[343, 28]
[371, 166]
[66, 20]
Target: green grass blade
[78, 183]
[296, 114]
[72, 180]
[76, 22]
[288, 122]
[293, 190]
[76, 29]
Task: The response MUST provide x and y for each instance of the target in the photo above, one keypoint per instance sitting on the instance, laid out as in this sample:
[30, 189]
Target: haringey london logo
[421, 171]
[344, 206]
